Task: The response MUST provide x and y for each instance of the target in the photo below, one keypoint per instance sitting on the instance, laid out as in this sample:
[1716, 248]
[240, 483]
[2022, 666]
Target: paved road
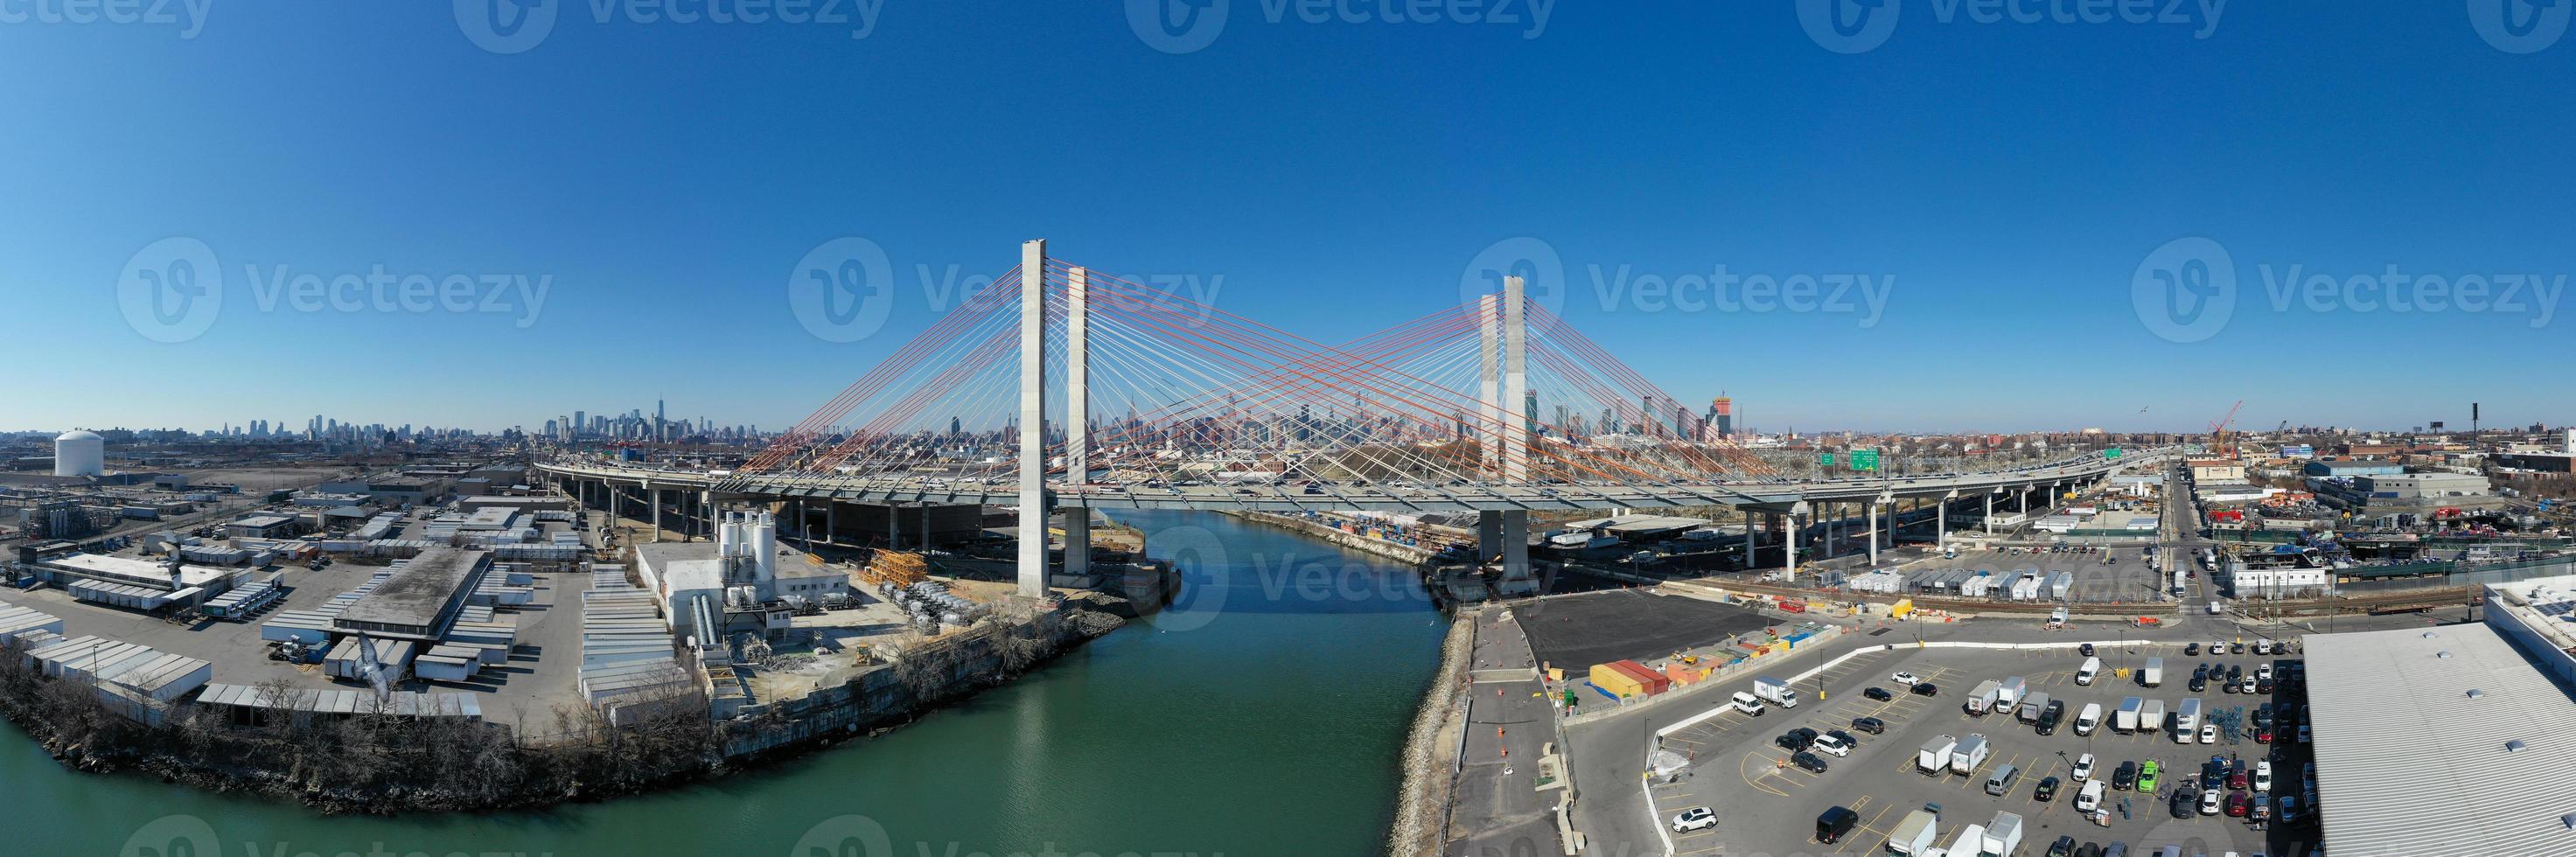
[1509, 722]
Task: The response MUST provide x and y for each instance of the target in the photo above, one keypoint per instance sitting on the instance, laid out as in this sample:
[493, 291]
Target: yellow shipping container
[1618, 683]
[1902, 609]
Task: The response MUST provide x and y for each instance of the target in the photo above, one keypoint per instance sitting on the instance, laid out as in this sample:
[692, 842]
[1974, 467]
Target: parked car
[1904, 678]
[2209, 802]
[2147, 776]
[2182, 803]
[1810, 761]
[1925, 689]
[2263, 776]
[1694, 818]
[2046, 790]
[2085, 650]
[2125, 777]
[2191, 650]
[2237, 804]
[1828, 745]
[1877, 693]
[1871, 725]
[2084, 768]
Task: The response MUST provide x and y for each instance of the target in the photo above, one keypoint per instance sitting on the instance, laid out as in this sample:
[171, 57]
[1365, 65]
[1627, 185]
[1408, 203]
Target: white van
[2085, 674]
[2090, 798]
[1745, 702]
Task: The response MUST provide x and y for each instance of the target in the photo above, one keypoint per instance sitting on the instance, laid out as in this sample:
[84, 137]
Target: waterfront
[1263, 714]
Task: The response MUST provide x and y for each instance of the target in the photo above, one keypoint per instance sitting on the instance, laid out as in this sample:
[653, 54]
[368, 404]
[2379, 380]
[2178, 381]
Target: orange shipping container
[1653, 681]
[1682, 675]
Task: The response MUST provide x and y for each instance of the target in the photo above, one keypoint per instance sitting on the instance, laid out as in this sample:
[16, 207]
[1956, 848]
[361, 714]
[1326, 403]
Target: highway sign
[2112, 454]
[1825, 459]
[1864, 459]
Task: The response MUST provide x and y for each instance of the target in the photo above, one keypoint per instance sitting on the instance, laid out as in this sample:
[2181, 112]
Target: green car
[2147, 776]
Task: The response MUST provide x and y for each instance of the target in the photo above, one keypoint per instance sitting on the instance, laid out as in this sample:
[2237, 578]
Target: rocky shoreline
[429, 763]
[1429, 757]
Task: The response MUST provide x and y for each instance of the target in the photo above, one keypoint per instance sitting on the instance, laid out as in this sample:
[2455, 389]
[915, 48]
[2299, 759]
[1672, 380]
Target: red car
[2238, 805]
[2263, 735]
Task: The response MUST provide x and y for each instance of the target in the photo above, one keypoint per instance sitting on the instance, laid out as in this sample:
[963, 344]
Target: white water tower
[80, 453]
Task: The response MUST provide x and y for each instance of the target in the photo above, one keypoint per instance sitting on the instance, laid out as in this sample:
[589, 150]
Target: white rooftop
[2411, 728]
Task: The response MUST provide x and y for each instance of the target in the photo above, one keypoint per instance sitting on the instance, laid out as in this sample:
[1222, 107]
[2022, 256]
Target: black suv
[2125, 777]
[1877, 693]
[2046, 791]
[1925, 688]
[1810, 761]
[1871, 725]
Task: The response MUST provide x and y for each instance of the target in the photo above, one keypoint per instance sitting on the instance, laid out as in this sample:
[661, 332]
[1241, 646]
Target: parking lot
[2127, 576]
[1767, 805]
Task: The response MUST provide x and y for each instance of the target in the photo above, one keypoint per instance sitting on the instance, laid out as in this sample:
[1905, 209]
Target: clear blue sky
[2011, 178]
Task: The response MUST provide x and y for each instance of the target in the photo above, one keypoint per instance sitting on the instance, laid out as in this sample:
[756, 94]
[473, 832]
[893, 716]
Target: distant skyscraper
[1721, 410]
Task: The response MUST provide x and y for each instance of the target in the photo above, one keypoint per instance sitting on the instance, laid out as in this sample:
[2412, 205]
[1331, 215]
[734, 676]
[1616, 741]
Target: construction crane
[2218, 431]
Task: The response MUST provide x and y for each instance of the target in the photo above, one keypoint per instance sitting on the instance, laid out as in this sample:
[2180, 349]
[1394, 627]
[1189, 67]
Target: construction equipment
[899, 568]
[2218, 444]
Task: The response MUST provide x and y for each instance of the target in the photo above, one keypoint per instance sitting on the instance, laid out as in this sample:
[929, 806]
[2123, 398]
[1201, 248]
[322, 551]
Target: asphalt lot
[1499, 807]
[1573, 632]
[2126, 578]
[1766, 805]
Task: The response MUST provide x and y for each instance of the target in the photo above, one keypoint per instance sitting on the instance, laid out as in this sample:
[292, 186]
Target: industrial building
[2451, 740]
[133, 584]
[737, 584]
[420, 599]
[2349, 469]
[2407, 493]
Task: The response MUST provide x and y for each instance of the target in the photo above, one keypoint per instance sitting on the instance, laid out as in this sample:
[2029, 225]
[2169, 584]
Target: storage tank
[764, 545]
[80, 453]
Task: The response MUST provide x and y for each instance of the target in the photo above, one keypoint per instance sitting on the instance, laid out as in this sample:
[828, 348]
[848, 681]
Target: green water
[1262, 715]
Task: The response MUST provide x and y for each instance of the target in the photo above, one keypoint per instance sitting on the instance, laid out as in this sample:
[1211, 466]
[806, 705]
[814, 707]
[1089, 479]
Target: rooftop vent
[2513, 746]
[2442, 654]
[2475, 693]
[2430, 635]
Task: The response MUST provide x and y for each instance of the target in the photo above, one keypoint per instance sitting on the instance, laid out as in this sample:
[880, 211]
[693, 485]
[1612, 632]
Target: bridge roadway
[1398, 498]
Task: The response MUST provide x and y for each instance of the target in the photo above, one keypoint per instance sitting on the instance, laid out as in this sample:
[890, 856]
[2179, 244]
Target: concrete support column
[655, 497]
[1032, 564]
[1989, 522]
[1748, 539]
[1489, 391]
[831, 526]
[1515, 431]
[1873, 533]
[706, 514]
[1516, 546]
[894, 528]
[1489, 536]
[1941, 520]
[1077, 540]
[1790, 547]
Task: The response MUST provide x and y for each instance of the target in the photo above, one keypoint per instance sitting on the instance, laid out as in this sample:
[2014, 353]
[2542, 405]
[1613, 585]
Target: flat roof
[134, 571]
[2411, 728]
[415, 595]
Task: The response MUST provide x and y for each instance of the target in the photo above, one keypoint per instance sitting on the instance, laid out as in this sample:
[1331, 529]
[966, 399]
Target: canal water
[1262, 715]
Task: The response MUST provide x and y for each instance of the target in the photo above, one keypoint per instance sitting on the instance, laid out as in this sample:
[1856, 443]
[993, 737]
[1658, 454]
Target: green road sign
[2112, 454]
[1825, 458]
[1864, 459]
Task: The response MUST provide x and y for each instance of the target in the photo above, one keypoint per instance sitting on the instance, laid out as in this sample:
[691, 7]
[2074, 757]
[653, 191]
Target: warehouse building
[421, 597]
[2449, 740]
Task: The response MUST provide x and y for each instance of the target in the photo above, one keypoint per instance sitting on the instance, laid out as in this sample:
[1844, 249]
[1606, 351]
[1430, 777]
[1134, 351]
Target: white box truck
[2186, 721]
[2003, 836]
[1775, 691]
[1982, 698]
[2152, 717]
[1915, 834]
[2126, 721]
[2011, 690]
[2091, 669]
[1935, 756]
[2154, 674]
[1971, 752]
[1970, 840]
[2089, 719]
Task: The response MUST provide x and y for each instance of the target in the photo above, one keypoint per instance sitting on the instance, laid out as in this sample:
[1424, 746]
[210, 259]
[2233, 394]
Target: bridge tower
[1032, 560]
[1506, 443]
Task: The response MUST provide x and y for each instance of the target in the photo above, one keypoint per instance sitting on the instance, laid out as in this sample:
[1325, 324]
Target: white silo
[764, 545]
[80, 453]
